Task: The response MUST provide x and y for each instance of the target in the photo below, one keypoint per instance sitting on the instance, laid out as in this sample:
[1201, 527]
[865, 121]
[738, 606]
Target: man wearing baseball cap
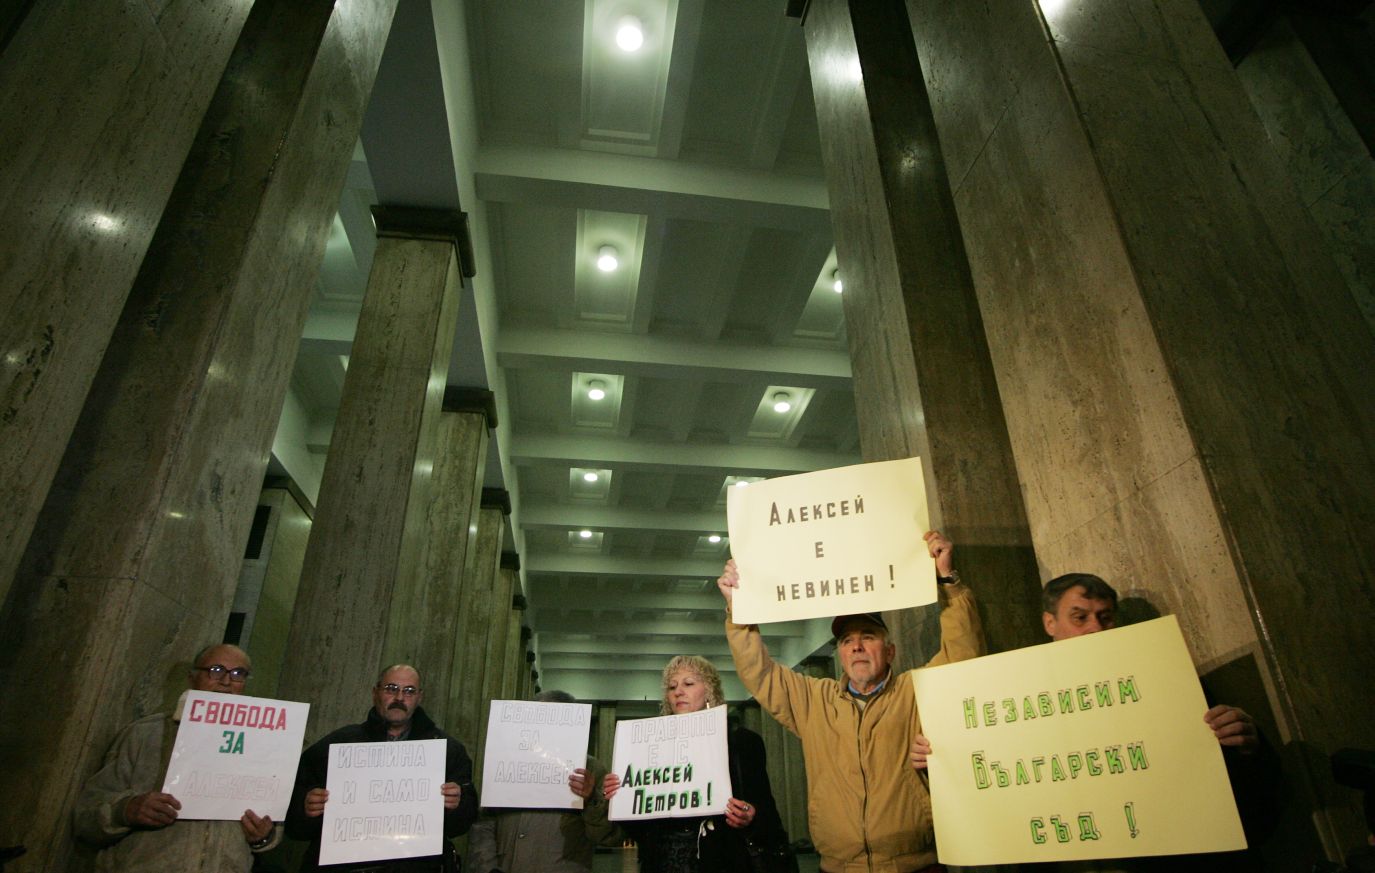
[868, 810]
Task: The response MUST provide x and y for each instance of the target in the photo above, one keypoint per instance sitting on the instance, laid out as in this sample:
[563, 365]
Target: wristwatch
[952, 579]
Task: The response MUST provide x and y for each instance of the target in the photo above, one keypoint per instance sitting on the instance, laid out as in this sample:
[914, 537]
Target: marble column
[102, 101]
[1185, 375]
[924, 383]
[606, 731]
[275, 601]
[378, 473]
[135, 559]
[476, 608]
[423, 620]
[495, 665]
[514, 659]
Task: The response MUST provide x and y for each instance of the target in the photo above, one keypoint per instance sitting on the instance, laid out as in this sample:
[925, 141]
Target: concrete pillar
[424, 611]
[102, 101]
[266, 595]
[476, 608]
[377, 478]
[1184, 373]
[134, 563]
[924, 384]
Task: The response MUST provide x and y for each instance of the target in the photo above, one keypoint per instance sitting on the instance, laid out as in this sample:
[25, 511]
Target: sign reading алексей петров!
[532, 748]
[834, 542]
[1093, 747]
[673, 766]
[234, 753]
[384, 801]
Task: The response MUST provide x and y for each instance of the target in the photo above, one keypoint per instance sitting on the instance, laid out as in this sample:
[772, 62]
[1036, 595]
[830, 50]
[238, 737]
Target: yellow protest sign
[1093, 747]
[834, 542]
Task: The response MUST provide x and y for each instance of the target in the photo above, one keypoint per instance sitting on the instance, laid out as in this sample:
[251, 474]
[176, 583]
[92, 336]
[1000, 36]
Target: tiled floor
[624, 861]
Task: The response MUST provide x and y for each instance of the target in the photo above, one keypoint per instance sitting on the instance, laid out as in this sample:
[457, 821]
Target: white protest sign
[1093, 747]
[384, 801]
[673, 766]
[234, 753]
[834, 542]
[531, 750]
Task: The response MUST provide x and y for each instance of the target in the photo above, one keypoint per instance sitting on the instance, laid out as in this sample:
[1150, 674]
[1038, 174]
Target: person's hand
[739, 814]
[580, 783]
[942, 550]
[729, 581]
[1233, 727]
[256, 828]
[315, 802]
[453, 793]
[610, 785]
[921, 747]
[152, 809]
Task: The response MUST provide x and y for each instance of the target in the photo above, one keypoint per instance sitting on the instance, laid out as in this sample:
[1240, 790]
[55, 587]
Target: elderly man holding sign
[867, 810]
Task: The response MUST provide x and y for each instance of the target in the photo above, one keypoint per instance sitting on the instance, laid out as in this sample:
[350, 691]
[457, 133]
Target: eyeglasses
[237, 675]
[394, 689]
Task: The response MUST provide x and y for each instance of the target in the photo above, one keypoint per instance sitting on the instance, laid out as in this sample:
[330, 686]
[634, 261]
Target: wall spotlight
[630, 35]
[596, 389]
[782, 402]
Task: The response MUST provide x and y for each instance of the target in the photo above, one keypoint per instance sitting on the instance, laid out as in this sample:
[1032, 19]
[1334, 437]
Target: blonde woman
[713, 844]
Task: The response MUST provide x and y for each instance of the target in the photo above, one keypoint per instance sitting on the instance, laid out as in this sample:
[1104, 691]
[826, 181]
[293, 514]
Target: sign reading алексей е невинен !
[1092, 747]
[384, 801]
[234, 753]
[532, 748]
[833, 542]
[672, 766]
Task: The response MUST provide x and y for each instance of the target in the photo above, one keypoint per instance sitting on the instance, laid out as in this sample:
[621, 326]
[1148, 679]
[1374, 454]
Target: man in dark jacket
[395, 715]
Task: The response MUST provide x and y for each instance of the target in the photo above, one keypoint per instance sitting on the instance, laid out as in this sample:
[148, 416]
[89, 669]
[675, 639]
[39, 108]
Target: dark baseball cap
[841, 620]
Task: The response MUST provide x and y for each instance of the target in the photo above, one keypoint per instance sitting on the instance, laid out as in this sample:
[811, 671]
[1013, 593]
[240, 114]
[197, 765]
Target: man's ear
[1048, 622]
[892, 651]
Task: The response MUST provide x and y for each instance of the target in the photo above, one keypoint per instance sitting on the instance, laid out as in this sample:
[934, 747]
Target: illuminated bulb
[607, 261]
[629, 35]
[714, 538]
[585, 534]
[741, 484]
[589, 477]
[596, 390]
[838, 285]
[781, 402]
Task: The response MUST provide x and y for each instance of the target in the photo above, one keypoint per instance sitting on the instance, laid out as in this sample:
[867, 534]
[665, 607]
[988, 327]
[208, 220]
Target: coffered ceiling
[694, 162]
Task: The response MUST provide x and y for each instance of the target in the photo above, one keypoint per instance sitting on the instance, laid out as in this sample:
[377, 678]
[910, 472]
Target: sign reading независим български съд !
[833, 542]
[1092, 747]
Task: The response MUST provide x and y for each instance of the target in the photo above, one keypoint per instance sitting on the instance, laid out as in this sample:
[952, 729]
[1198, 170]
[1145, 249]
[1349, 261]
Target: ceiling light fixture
[596, 389]
[589, 476]
[607, 261]
[714, 538]
[837, 284]
[782, 402]
[585, 534]
[741, 484]
[629, 34]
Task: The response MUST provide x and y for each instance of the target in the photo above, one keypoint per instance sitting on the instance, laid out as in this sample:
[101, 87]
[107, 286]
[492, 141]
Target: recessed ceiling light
[782, 402]
[629, 34]
[714, 538]
[596, 390]
[585, 534]
[837, 285]
[741, 484]
[607, 260]
[589, 476]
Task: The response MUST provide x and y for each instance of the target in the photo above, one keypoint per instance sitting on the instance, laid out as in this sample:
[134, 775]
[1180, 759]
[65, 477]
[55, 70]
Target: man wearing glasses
[395, 715]
[122, 811]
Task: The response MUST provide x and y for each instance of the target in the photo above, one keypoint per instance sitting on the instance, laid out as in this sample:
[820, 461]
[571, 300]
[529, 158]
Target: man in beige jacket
[868, 810]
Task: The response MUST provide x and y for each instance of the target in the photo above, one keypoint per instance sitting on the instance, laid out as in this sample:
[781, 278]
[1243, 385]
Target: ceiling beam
[587, 451]
[543, 513]
[707, 626]
[608, 601]
[606, 565]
